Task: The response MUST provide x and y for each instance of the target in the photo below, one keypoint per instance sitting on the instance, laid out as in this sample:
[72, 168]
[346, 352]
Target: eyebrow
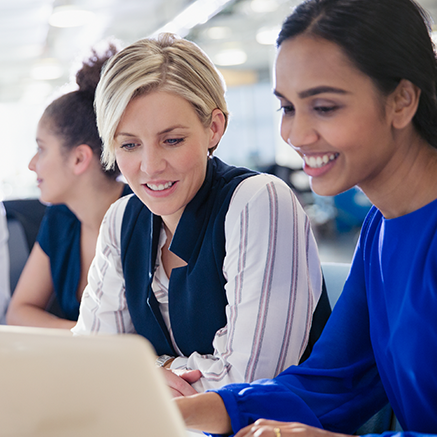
[315, 91]
[178, 126]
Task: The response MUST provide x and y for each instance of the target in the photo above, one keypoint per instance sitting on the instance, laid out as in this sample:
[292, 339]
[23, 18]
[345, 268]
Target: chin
[50, 200]
[325, 189]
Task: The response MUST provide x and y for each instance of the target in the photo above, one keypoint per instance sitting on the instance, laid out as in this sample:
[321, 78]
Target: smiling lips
[319, 161]
[160, 187]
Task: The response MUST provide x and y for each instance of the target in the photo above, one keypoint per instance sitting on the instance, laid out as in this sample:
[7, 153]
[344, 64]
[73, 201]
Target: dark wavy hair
[72, 117]
[388, 40]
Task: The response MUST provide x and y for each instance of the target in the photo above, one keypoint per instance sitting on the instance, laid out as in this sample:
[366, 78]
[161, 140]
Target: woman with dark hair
[72, 179]
[356, 82]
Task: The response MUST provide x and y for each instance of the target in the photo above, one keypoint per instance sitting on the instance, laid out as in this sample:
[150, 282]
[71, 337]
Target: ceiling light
[47, 69]
[218, 32]
[70, 16]
[230, 57]
[263, 6]
[196, 13]
[268, 36]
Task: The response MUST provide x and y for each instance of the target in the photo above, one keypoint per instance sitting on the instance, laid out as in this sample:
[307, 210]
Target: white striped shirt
[273, 285]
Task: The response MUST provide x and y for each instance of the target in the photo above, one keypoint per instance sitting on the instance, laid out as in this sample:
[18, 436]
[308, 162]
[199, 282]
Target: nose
[153, 160]
[32, 162]
[298, 131]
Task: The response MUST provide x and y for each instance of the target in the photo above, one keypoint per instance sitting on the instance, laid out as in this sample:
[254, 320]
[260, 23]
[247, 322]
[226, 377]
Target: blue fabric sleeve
[400, 434]
[337, 388]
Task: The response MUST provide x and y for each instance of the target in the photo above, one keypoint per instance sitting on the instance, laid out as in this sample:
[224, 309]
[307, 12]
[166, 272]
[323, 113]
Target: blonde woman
[215, 265]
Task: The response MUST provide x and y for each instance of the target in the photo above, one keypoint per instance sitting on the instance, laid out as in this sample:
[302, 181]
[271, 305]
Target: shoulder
[59, 212]
[111, 225]
[255, 185]
[58, 224]
[117, 210]
[371, 224]
[259, 194]
[262, 187]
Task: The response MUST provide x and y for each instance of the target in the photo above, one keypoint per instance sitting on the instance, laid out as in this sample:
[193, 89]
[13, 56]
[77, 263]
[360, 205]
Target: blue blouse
[59, 238]
[379, 346]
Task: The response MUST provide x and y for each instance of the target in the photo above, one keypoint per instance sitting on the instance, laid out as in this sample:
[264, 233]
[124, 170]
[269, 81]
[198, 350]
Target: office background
[42, 43]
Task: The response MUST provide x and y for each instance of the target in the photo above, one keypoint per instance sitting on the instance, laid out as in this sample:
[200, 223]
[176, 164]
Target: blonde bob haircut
[167, 63]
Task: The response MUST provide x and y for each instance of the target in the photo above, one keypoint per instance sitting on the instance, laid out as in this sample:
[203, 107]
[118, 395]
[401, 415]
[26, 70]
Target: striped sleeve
[103, 307]
[273, 278]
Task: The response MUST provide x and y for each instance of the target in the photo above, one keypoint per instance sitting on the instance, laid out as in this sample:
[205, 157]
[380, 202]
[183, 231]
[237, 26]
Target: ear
[217, 127]
[82, 157]
[405, 102]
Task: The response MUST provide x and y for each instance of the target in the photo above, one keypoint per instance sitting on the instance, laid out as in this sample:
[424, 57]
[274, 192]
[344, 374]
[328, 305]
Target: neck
[171, 223]
[407, 182]
[91, 204]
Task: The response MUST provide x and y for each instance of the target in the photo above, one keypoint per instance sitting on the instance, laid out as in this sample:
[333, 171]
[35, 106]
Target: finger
[273, 423]
[191, 376]
[253, 431]
[178, 384]
[245, 432]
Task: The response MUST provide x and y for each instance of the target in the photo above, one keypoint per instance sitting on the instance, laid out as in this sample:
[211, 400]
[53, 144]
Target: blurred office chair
[24, 218]
[335, 275]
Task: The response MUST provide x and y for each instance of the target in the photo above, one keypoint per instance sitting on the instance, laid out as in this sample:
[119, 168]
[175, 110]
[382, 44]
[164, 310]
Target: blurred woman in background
[72, 179]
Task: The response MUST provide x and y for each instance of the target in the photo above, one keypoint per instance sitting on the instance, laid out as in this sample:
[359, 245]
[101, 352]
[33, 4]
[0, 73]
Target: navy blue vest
[197, 297]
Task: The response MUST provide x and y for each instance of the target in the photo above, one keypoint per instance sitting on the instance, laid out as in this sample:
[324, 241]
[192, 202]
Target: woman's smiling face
[332, 115]
[162, 150]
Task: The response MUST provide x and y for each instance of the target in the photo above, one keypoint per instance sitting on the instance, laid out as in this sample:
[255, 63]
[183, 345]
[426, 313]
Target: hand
[271, 428]
[179, 381]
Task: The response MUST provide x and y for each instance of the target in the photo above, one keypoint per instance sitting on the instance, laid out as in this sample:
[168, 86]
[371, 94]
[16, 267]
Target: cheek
[190, 160]
[344, 137]
[125, 163]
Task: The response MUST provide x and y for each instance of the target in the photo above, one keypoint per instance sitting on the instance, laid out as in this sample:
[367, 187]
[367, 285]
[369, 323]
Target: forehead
[156, 111]
[304, 62]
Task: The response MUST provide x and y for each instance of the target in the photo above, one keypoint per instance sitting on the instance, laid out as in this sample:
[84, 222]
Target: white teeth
[160, 187]
[319, 161]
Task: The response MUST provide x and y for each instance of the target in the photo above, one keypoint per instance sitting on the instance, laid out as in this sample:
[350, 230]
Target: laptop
[55, 385]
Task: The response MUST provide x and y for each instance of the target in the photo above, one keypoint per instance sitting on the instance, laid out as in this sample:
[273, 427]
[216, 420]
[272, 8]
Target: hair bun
[88, 76]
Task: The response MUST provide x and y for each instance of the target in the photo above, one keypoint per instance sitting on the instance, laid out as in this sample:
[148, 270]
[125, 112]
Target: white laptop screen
[55, 385]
